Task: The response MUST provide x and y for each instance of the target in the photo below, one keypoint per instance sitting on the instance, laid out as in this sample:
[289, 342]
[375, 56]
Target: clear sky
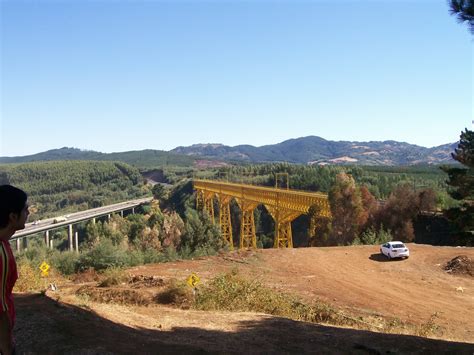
[128, 75]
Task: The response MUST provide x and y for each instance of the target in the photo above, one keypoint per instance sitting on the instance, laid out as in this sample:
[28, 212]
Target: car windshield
[396, 246]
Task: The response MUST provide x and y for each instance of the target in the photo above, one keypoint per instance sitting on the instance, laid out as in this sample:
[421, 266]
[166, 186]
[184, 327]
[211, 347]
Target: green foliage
[65, 262]
[158, 191]
[464, 11]
[102, 256]
[70, 186]
[201, 236]
[142, 159]
[461, 181]
[373, 237]
[181, 197]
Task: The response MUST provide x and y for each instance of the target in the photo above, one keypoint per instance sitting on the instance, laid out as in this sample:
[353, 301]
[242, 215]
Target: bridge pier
[209, 205]
[76, 241]
[46, 238]
[224, 220]
[18, 245]
[70, 237]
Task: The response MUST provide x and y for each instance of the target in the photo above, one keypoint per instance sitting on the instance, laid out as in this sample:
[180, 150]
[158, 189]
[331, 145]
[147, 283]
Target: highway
[73, 218]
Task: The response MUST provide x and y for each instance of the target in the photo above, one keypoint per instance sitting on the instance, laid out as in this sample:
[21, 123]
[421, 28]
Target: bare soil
[417, 291]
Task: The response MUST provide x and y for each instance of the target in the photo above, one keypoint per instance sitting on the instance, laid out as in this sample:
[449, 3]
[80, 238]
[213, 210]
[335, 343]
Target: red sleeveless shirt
[8, 277]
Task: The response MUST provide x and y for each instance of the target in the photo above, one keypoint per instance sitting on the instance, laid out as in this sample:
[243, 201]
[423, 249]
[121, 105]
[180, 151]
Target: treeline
[149, 237]
[68, 186]
[380, 181]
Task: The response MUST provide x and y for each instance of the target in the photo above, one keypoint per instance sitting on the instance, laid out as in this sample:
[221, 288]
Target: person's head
[13, 207]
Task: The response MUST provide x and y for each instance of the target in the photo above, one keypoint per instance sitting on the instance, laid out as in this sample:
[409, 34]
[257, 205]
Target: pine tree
[464, 10]
[461, 180]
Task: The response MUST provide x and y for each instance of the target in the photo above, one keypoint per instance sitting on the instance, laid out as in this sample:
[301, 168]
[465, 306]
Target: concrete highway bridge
[69, 220]
[284, 205]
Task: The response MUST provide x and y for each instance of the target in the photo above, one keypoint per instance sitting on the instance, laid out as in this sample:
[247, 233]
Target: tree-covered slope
[141, 158]
[69, 186]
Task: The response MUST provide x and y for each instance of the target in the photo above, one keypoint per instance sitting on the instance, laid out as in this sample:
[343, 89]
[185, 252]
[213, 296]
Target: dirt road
[356, 279]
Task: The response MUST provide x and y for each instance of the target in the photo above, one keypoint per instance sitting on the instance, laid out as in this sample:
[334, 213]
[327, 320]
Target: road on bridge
[73, 218]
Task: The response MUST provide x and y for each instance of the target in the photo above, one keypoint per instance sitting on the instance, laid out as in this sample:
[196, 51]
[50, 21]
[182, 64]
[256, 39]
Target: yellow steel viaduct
[284, 205]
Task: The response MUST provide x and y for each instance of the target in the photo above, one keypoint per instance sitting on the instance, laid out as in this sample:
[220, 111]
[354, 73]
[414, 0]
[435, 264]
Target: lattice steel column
[248, 239]
[224, 219]
[209, 205]
[199, 200]
[283, 235]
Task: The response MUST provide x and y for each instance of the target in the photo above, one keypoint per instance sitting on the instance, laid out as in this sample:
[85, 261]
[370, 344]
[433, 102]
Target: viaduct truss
[284, 206]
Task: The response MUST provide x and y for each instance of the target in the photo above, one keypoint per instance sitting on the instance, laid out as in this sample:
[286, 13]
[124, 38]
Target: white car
[394, 250]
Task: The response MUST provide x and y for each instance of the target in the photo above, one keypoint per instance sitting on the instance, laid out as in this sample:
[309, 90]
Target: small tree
[347, 210]
[461, 180]
[158, 191]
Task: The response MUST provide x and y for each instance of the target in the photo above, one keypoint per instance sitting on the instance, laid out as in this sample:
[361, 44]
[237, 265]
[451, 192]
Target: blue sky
[129, 75]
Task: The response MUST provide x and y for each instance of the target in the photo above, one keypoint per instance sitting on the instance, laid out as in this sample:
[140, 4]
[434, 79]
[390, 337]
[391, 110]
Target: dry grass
[230, 292]
[178, 294]
[30, 279]
[113, 277]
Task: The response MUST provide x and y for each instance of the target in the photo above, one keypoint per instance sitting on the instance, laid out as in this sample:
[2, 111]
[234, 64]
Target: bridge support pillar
[51, 243]
[209, 205]
[224, 219]
[70, 236]
[46, 238]
[248, 238]
[199, 200]
[25, 243]
[18, 245]
[283, 235]
[93, 220]
[76, 241]
[121, 213]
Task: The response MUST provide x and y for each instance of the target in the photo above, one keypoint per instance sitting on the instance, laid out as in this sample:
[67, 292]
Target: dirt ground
[355, 279]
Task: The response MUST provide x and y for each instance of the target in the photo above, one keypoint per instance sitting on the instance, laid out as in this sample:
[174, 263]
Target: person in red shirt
[13, 215]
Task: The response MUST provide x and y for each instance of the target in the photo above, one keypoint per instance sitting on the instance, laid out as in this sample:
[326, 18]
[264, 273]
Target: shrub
[29, 277]
[103, 256]
[372, 237]
[113, 276]
[65, 262]
[230, 292]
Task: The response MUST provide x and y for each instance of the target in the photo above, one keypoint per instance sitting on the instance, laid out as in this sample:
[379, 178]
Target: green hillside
[70, 186]
[143, 159]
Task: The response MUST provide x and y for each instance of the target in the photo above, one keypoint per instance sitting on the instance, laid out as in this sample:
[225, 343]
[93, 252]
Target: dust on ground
[357, 279]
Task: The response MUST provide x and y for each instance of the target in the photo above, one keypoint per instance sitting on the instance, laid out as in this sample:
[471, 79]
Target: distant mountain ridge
[304, 150]
[317, 150]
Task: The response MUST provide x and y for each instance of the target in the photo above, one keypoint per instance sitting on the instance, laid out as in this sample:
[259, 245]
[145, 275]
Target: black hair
[12, 200]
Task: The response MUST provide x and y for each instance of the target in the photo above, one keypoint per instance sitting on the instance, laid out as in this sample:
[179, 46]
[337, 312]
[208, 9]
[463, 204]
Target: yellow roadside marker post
[44, 267]
[193, 281]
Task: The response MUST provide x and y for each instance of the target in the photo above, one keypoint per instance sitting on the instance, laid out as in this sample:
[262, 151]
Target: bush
[372, 237]
[29, 277]
[103, 256]
[113, 276]
[65, 262]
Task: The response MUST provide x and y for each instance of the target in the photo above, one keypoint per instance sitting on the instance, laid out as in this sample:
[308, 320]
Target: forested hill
[142, 158]
[70, 186]
[316, 150]
[306, 150]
